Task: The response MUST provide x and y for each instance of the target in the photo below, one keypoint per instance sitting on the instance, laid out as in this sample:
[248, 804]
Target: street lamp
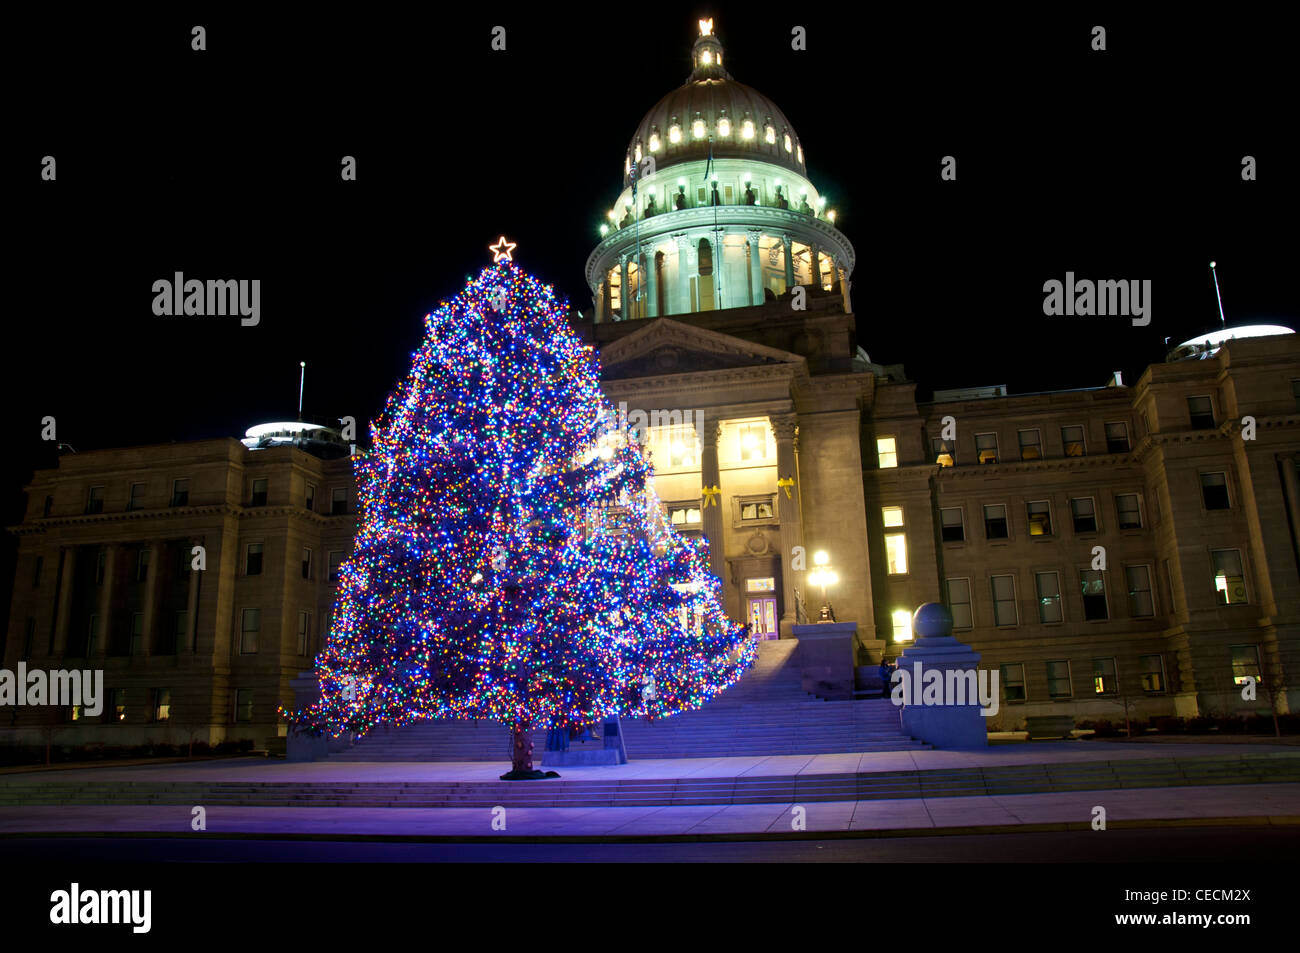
[823, 576]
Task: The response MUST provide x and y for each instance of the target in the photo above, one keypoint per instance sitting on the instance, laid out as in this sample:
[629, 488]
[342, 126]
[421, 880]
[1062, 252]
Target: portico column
[755, 266]
[191, 606]
[63, 600]
[624, 290]
[845, 284]
[785, 428]
[105, 603]
[606, 298]
[816, 267]
[150, 601]
[1292, 485]
[651, 283]
[787, 243]
[712, 503]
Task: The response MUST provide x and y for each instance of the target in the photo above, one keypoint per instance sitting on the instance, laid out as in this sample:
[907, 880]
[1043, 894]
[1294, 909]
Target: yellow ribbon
[711, 494]
[785, 483]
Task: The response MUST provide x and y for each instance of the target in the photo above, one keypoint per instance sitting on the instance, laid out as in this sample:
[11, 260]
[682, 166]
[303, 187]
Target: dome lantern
[706, 55]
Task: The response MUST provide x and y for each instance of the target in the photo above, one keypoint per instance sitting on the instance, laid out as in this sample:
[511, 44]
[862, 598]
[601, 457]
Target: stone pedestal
[826, 657]
[612, 750]
[947, 724]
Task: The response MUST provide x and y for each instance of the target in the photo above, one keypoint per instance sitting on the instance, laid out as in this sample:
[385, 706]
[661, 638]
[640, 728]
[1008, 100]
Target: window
[1031, 444]
[902, 620]
[953, 526]
[1140, 600]
[753, 442]
[1245, 663]
[1229, 578]
[118, 706]
[1153, 673]
[1058, 680]
[259, 493]
[684, 450]
[1040, 518]
[1072, 441]
[1084, 512]
[887, 452]
[1128, 511]
[895, 543]
[304, 630]
[1004, 600]
[249, 628]
[1295, 393]
[1214, 491]
[95, 500]
[1201, 412]
[161, 703]
[995, 521]
[142, 565]
[986, 447]
[338, 501]
[243, 705]
[336, 563]
[688, 515]
[137, 632]
[1013, 682]
[1104, 679]
[959, 603]
[1048, 585]
[253, 560]
[943, 452]
[180, 492]
[306, 563]
[1117, 438]
[136, 500]
[757, 510]
[310, 499]
[1093, 588]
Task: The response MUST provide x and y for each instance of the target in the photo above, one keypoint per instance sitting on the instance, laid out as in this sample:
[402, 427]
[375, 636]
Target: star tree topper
[501, 250]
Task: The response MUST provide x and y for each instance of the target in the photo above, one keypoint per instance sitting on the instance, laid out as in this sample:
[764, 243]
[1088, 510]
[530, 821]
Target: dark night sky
[223, 164]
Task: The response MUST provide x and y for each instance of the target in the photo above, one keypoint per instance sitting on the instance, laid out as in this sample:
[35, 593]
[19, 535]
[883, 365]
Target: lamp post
[823, 576]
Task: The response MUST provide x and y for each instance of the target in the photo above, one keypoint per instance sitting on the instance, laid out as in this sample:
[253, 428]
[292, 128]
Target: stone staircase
[766, 713]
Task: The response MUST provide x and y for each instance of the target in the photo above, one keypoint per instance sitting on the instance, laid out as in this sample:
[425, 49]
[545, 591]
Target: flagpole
[1222, 320]
[717, 245]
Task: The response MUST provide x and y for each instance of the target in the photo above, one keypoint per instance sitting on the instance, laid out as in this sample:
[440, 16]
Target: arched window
[706, 258]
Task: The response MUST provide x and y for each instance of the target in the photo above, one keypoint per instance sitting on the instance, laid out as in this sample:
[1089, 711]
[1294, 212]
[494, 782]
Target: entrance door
[762, 617]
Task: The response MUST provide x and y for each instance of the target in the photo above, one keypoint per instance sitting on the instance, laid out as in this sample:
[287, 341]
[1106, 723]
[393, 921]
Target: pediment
[670, 347]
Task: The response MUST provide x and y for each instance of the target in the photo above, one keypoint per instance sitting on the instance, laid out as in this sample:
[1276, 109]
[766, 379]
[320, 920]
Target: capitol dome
[717, 210]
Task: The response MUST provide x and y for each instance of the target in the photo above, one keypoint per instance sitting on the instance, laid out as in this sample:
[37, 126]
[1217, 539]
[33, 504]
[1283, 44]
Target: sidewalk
[1272, 804]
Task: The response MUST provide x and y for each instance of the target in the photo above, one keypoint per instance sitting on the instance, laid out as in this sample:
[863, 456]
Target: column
[63, 600]
[711, 504]
[191, 606]
[105, 607]
[787, 244]
[845, 284]
[1292, 485]
[785, 429]
[681, 296]
[815, 256]
[624, 290]
[607, 298]
[651, 283]
[755, 266]
[150, 600]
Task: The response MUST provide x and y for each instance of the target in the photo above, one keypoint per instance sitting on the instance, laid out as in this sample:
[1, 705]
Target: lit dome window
[769, 133]
[798, 151]
[706, 58]
[747, 129]
[675, 131]
[724, 124]
[654, 139]
[637, 154]
[697, 128]
[789, 144]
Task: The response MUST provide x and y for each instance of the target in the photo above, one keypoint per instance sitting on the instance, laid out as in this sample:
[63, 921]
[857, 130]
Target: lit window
[724, 126]
[1229, 578]
[887, 452]
[902, 625]
[798, 151]
[959, 603]
[636, 153]
[1153, 673]
[654, 142]
[1104, 680]
[753, 442]
[1093, 588]
[683, 451]
[119, 704]
[1140, 602]
[1004, 600]
[1040, 518]
[1031, 444]
[789, 144]
[1049, 596]
[697, 129]
[769, 133]
[162, 704]
[896, 553]
[1245, 663]
[943, 452]
[892, 515]
[706, 57]
[1072, 440]
[747, 132]
[684, 515]
[1058, 680]
[674, 133]
[986, 447]
[757, 510]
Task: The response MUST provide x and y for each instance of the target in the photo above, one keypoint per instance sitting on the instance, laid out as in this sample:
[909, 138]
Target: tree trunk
[521, 748]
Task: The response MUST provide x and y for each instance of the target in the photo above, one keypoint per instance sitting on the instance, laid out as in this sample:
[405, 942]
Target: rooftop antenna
[302, 382]
[1223, 321]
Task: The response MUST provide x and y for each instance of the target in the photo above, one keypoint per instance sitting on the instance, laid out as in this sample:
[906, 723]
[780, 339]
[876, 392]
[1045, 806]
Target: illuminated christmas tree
[512, 561]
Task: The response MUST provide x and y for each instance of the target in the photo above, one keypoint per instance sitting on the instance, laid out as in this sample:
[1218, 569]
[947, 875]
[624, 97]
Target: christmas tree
[512, 561]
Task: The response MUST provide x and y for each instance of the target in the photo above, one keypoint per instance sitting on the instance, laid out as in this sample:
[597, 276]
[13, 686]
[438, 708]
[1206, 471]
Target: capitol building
[1118, 548]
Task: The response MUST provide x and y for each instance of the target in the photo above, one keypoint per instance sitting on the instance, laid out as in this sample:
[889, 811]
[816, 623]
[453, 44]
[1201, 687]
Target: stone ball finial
[932, 621]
